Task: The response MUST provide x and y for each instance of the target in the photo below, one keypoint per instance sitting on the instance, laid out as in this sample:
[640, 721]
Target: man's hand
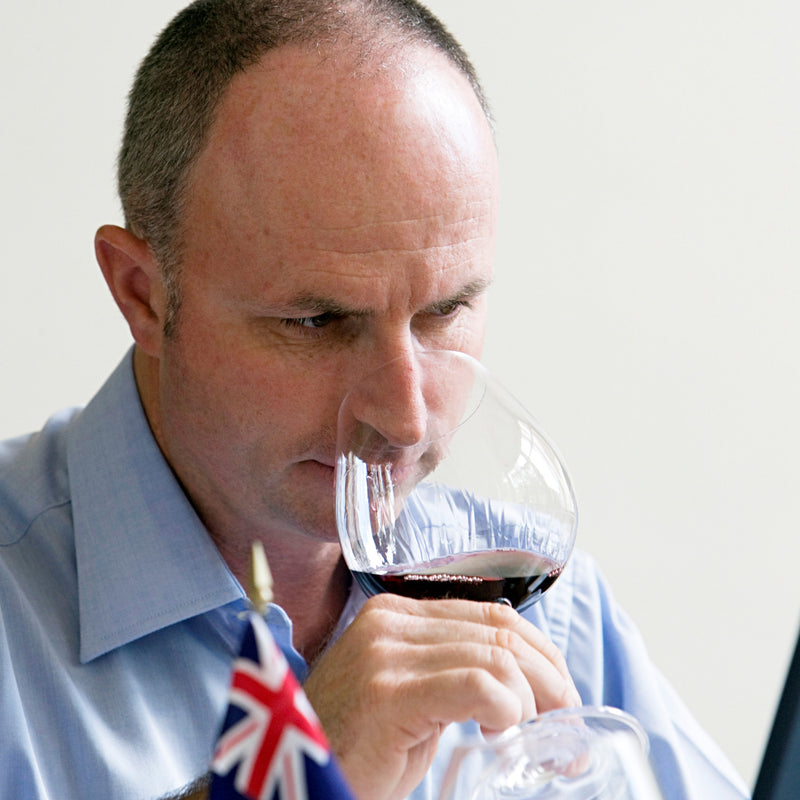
[404, 669]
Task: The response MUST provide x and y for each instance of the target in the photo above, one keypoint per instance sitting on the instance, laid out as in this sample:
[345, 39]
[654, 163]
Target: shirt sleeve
[610, 665]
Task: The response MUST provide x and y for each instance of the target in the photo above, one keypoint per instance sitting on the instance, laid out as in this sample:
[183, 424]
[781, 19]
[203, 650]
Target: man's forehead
[314, 182]
[431, 222]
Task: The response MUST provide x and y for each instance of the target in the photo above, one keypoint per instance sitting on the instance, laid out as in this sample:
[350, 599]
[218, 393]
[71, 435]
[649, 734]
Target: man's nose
[392, 401]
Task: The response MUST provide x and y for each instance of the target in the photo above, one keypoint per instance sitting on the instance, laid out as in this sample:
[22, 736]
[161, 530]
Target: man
[310, 191]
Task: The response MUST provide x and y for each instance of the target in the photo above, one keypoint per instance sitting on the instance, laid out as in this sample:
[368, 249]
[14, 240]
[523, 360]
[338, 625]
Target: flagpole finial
[260, 589]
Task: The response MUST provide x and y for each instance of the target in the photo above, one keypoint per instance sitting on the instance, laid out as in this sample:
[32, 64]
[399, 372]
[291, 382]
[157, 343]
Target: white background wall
[646, 306]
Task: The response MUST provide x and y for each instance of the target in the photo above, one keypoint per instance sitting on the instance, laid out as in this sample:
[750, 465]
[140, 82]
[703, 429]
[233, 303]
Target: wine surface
[514, 576]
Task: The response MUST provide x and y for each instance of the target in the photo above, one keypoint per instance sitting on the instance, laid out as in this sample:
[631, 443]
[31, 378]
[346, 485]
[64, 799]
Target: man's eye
[311, 323]
[450, 307]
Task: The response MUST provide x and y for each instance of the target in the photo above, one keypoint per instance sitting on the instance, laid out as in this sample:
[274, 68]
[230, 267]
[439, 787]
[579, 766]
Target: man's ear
[134, 278]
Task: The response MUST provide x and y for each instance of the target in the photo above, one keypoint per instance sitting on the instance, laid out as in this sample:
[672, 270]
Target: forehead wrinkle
[316, 251]
[441, 219]
[398, 250]
[425, 234]
[417, 272]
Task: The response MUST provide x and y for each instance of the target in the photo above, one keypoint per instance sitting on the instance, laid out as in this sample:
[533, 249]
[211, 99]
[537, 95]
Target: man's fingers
[463, 693]
[495, 616]
[491, 625]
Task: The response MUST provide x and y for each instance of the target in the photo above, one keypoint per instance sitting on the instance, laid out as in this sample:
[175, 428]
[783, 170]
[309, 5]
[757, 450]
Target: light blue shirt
[119, 621]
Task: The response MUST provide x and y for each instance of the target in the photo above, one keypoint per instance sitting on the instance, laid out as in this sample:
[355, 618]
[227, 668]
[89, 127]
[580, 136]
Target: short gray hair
[182, 79]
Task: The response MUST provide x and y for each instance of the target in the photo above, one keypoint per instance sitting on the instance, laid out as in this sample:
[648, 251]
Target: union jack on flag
[272, 746]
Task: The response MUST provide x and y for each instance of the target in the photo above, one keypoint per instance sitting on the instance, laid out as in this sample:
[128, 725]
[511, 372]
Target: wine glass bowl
[587, 753]
[446, 486]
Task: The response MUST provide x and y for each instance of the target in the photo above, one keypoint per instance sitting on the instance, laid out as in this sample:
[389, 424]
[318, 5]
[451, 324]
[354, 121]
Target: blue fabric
[119, 621]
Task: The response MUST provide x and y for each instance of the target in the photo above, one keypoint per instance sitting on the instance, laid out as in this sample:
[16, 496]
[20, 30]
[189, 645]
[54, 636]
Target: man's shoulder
[33, 475]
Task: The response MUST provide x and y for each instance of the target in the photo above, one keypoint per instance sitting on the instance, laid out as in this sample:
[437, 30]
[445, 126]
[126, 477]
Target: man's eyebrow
[310, 303]
[319, 304]
[468, 291]
[475, 287]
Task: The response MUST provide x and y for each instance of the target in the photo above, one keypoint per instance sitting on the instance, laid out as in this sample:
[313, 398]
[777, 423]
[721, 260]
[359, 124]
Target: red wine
[514, 576]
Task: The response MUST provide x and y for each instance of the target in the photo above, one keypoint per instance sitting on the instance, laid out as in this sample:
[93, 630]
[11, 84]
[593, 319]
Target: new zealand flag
[272, 746]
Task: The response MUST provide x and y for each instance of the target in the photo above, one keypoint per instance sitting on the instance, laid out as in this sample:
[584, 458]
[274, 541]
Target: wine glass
[589, 753]
[446, 486]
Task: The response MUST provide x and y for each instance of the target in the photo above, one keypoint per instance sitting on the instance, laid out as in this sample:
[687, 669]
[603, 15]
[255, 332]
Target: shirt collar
[144, 558]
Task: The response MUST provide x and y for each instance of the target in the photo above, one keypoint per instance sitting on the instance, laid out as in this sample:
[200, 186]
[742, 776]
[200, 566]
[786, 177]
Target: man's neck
[314, 601]
[310, 582]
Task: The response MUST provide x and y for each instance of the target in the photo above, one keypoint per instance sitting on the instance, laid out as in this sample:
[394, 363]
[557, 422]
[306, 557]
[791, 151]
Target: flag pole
[260, 589]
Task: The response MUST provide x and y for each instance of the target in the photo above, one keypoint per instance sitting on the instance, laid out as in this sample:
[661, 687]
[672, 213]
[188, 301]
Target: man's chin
[303, 523]
[308, 504]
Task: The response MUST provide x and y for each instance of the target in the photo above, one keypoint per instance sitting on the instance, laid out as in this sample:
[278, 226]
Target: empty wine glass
[589, 753]
[446, 487]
